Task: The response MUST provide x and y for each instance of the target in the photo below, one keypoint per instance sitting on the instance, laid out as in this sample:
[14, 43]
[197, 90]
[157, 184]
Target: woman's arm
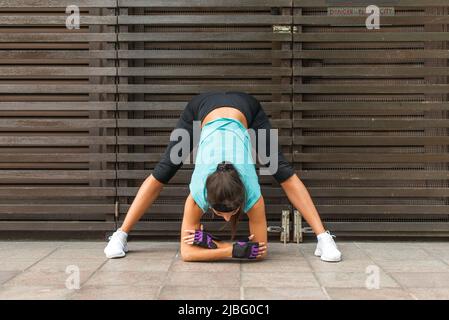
[148, 192]
[191, 221]
[258, 224]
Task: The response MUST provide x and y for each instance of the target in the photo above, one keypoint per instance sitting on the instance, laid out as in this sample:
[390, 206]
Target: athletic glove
[245, 249]
[204, 239]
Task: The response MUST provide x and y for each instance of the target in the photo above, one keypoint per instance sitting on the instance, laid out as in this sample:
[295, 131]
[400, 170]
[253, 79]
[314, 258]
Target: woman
[225, 181]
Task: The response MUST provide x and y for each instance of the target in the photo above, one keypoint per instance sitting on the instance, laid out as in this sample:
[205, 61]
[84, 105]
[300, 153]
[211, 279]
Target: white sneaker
[326, 248]
[117, 246]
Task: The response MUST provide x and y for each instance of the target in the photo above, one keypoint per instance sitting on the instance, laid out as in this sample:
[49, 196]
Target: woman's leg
[148, 192]
[286, 176]
[301, 200]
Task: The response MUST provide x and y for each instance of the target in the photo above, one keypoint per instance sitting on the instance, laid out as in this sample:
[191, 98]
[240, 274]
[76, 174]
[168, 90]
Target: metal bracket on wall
[284, 229]
[284, 29]
[285, 234]
[297, 226]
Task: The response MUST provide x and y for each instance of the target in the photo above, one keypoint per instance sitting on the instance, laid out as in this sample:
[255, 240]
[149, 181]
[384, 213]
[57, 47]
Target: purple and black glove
[245, 249]
[204, 239]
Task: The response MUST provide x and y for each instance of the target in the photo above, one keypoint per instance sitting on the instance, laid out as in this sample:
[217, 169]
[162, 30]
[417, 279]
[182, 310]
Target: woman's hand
[262, 247]
[201, 238]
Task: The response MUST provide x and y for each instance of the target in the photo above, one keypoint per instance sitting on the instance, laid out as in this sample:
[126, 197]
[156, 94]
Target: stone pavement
[153, 270]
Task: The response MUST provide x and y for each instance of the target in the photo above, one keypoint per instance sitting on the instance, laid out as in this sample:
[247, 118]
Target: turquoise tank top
[224, 139]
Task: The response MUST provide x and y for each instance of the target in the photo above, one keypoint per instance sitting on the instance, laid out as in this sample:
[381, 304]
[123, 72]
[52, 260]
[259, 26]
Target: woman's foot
[326, 248]
[117, 246]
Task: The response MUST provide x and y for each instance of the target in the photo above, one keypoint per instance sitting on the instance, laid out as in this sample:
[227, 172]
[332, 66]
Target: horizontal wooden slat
[379, 124]
[371, 36]
[57, 88]
[205, 54]
[68, 72]
[323, 20]
[52, 20]
[371, 106]
[61, 209]
[201, 36]
[366, 229]
[369, 72]
[227, 20]
[384, 210]
[202, 3]
[57, 3]
[58, 106]
[373, 175]
[206, 72]
[336, 140]
[53, 226]
[395, 3]
[25, 192]
[58, 157]
[56, 140]
[40, 175]
[372, 54]
[56, 37]
[15, 55]
[384, 191]
[334, 157]
[174, 89]
[373, 88]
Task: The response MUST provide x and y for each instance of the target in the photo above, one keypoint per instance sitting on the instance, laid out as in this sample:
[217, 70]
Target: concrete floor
[153, 270]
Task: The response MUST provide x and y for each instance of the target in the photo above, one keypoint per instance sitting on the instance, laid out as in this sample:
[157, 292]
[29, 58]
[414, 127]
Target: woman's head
[226, 193]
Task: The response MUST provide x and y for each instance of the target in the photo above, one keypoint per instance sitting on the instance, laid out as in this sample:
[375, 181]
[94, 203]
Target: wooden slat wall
[371, 117]
[57, 122]
[86, 114]
[171, 51]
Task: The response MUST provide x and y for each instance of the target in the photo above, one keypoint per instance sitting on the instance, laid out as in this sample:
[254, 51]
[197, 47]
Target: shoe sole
[115, 256]
[326, 259]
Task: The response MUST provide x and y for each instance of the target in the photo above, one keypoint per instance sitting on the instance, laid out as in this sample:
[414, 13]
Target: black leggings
[197, 109]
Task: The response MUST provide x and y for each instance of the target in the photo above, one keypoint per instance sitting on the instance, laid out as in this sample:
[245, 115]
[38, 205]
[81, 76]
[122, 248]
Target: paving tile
[121, 292]
[62, 265]
[413, 265]
[368, 294]
[204, 279]
[77, 254]
[128, 278]
[275, 265]
[199, 293]
[343, 266]
[430, 293]
[438, 251]
[422, 279]
[151, 253]
[147, 265]
[46, 278]
[283, 293]
[277, 279]
[14, 265]
[388, 252]
[34, 293]
[349, 251]
[277, 250]
[24, 253]
[216, 266]
[352, 279]
[7, 275]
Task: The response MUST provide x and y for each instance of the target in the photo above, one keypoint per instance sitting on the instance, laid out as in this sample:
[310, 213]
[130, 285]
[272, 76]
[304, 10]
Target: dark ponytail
[224, 187]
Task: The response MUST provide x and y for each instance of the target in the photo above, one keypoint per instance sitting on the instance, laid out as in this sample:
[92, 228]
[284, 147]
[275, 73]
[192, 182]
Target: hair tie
[224, 166]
